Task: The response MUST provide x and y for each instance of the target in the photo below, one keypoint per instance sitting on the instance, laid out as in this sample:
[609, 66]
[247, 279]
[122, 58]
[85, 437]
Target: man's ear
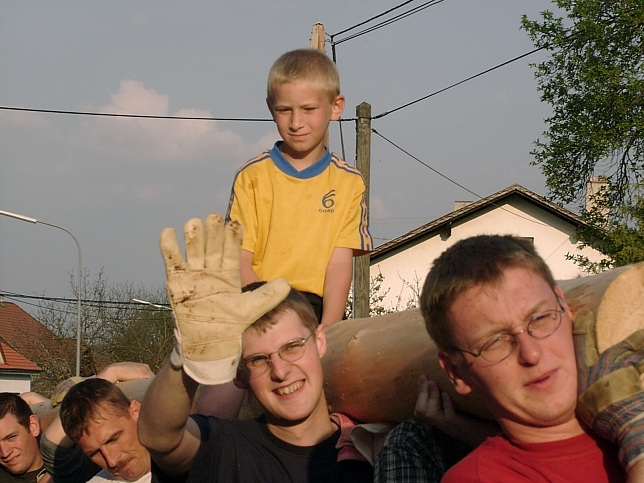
[562, 300]
[320, 340]
[34, 425]
[135, 409]
[453, 373]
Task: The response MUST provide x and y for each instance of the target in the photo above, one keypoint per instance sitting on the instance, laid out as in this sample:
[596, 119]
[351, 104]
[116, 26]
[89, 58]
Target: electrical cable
[384, 23]
[451, 180]
[139, 116]
[372, 18]
[457, 83]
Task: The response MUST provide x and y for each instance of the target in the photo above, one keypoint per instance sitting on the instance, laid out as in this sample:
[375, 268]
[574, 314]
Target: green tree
[594, 81]
[113, 328]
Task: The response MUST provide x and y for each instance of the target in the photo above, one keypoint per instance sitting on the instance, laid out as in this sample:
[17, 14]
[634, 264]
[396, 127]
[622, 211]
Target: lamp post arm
[80, 275]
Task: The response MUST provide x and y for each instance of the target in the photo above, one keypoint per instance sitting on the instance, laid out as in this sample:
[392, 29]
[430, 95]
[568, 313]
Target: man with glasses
[274, 331]
[505, 332]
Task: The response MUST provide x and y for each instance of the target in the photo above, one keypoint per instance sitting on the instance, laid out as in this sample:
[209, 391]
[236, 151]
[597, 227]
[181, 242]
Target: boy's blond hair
[304, 65]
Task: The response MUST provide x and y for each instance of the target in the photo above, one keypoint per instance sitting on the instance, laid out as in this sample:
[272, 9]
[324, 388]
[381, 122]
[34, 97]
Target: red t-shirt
[579, 459]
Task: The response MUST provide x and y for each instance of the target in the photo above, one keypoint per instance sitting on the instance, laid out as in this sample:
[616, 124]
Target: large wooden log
[372, 365]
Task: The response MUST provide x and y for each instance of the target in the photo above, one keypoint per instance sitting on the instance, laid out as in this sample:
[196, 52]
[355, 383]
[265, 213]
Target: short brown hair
[85, 399]
[475, 261]
[304, 65]
[295, 301]
[15, 405]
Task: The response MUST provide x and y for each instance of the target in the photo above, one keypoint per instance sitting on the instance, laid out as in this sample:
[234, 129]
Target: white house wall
[16, 384]
[404, 272]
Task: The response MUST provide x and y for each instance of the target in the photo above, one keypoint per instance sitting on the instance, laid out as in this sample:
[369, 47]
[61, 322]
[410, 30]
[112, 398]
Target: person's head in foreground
[102, 421]
[505, 333]
[19, 430]
[281, 354]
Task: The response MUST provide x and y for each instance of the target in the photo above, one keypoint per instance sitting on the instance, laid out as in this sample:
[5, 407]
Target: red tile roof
[25, 337]
[12, 360]
[20, 330]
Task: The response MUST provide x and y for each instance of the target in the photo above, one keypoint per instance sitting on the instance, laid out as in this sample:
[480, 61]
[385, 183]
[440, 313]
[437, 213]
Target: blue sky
[116, 183]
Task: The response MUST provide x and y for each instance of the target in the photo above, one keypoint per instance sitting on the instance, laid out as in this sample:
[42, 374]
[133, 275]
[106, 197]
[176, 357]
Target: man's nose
[110, 456]
[5, 450]
[529, 348]
[279, 367]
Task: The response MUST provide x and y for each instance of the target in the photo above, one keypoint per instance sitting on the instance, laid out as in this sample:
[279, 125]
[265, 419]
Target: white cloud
[160, 140]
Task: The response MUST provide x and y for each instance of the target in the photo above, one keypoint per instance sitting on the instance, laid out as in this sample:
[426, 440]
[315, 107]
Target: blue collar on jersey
[287, 168]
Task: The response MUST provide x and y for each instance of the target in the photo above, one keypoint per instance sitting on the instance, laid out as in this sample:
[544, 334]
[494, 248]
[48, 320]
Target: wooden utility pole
[318, 42]
[361, 278]
[317, 37]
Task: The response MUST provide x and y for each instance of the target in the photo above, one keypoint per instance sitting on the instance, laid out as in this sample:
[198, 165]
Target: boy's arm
[248, 275]
[337, 281]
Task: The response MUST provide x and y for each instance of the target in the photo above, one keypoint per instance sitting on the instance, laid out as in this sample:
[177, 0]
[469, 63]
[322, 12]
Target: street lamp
[78, 307]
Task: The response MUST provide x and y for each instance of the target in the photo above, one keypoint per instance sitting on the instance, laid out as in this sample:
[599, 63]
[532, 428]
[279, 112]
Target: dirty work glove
[611, 395]
[209, 309]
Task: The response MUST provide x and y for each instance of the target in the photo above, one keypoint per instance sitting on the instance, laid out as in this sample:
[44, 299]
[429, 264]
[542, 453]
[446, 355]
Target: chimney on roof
[595, 187]
[461, 204]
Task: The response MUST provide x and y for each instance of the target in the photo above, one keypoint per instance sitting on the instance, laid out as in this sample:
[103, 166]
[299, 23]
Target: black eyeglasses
[540, 326]
[258, 364]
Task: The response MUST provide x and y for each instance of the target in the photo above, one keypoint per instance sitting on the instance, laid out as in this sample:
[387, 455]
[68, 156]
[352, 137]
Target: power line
[451, 180]
[86, 302]
[458, 83]
[141, 116]
[372, 18]
[384, 23]
[231, 119]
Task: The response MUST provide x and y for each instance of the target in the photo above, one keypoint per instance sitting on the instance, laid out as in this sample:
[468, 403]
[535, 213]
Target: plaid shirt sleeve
[415, 452]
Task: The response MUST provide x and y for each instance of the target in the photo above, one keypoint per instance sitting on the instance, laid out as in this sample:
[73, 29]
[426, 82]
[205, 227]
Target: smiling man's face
[19, 451]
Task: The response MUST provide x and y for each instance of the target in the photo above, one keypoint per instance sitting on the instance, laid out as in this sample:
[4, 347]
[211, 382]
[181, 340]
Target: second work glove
[611, 394]
[209, 309]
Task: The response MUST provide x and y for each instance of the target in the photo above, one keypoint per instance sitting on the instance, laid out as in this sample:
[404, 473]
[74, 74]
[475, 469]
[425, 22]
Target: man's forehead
[289, 326]
[521, 288]
[9, 424]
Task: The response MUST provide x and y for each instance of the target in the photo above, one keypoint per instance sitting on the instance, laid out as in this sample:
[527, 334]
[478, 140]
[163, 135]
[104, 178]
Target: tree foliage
[594, 81]
[113, 328]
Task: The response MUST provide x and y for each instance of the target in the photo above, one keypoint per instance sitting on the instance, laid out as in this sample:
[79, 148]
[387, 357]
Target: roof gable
[497, 198]
[27, 336]
[10, 360]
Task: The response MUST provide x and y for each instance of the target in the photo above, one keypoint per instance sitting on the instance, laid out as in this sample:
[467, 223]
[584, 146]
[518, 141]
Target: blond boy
[302, 208]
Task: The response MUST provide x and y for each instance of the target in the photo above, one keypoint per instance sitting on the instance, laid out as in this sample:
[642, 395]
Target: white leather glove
[209, 309]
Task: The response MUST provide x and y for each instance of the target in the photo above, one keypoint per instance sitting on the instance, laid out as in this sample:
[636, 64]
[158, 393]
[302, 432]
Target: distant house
[26, 346]
[15, 370]
[405, 261]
